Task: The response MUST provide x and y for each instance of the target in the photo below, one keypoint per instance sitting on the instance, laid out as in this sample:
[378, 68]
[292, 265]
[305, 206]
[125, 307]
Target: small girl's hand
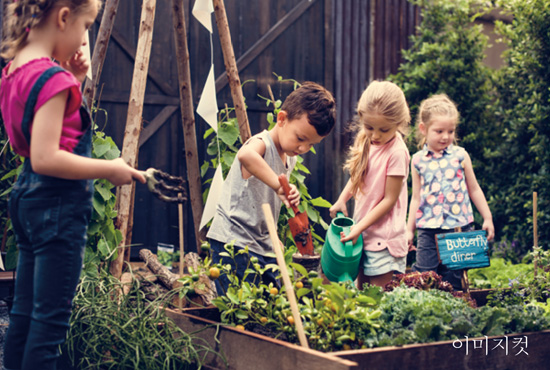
[353, 235]
[338, 207]
[489, 228]
[123, 174]
[78, 65]
[410, 238]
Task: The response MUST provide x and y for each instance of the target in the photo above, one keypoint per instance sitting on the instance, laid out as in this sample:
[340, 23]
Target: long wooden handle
[286, 187]
[284, 273]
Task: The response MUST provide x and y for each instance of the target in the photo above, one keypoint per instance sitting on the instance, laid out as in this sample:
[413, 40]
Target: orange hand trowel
[299, 224]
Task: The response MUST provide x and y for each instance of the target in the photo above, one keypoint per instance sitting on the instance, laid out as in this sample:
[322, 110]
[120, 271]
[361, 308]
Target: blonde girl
[443, 183]
[50, 204]
[378, 165]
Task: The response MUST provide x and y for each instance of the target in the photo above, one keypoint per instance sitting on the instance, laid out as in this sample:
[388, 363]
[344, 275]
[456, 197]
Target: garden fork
[166, 187]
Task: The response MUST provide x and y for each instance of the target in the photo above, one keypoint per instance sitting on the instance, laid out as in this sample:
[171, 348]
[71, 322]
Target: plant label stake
[462, 251]
[284, 273]
[299, 224]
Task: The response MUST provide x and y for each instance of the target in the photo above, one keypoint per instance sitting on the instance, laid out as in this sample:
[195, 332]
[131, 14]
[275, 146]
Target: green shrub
[521, 159]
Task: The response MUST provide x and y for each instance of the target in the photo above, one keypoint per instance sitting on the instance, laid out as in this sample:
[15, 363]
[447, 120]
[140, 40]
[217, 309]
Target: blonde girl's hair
[382, 98]
[439, 105]
[23, 15]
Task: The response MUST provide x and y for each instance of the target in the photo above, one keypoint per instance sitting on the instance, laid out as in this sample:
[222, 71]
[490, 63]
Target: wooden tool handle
[286, 187]
[284, 273]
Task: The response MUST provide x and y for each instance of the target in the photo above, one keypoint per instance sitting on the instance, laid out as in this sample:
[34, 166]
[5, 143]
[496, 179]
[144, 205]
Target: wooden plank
[255, 50]
[153, 75]
[150, 99]
[451, 354]
[130, 147]
[156, 123]
[245, 350]
[188, 119]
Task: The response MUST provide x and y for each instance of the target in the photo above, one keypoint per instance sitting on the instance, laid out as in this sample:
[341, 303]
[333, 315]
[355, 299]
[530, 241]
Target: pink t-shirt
[14, 91]
[390, 159]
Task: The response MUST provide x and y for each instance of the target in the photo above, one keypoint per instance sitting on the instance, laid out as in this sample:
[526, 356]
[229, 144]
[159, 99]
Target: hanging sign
[464, 250]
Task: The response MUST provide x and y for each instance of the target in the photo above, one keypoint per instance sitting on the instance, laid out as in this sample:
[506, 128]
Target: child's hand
[410, 238]
[123, 174]
[77, 65]
[338, 207]
[293, 196]
[489, 228]
[353, 235]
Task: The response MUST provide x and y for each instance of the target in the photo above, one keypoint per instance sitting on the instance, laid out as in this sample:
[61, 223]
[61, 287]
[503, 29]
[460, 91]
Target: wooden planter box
[246, 350]
[243, 350]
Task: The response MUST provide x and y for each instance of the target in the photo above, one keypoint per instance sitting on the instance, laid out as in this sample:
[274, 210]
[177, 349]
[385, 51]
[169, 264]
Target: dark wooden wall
[342, 44]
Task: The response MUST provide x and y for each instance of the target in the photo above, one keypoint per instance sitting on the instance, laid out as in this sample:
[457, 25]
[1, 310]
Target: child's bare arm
[48, 159]
[340, 205]
[251, 157]
[413, 207]
[478, 197]
[392, 190]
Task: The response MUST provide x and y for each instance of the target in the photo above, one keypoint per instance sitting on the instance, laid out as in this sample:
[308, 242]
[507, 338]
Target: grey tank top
[239, 214]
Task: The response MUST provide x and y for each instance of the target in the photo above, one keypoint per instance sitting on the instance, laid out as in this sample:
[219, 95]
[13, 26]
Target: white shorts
[382, 262]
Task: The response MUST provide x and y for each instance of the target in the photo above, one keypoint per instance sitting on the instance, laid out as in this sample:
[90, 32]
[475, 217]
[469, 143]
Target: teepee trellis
[130, 149]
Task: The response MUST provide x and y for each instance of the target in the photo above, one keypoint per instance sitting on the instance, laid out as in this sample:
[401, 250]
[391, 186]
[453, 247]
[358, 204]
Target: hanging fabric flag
[208, 108]
[208, 105]
[202, 11]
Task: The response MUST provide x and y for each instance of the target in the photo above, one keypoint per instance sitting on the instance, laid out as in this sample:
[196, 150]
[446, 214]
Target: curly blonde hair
[23, 15]
[439, 105]
[382, 98]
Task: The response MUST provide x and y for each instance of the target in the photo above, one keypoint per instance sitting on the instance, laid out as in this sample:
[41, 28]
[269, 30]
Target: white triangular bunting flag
[202, 10]
[213, 196]
[208, 105]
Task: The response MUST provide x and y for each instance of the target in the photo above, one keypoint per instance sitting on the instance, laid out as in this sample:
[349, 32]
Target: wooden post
[100, 48]
[464, 278]
[284, 274]
[231, 69]
[535, 232]
[188, 118]
[130, 147]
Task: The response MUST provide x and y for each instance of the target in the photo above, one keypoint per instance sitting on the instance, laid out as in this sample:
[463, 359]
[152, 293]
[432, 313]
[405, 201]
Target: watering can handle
[348, 246]
[340, 214]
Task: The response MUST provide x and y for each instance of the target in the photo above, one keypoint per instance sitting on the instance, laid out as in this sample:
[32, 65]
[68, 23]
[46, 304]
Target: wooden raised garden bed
[246, 350]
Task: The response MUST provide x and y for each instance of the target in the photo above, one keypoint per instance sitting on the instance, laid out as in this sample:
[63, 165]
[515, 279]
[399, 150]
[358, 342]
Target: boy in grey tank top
[306, 117]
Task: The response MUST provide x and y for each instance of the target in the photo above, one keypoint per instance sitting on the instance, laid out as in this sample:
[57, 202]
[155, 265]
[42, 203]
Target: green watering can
[340, 261]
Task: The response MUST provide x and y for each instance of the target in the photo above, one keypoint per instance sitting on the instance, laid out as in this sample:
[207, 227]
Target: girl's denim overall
[50, 217]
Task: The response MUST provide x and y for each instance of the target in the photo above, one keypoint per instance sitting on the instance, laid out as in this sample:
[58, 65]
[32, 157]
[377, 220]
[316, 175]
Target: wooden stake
[130, 147]
[100, 48]
[284, 273]
[231, 69]
[188, 119]
[535, 232]
[182, 253]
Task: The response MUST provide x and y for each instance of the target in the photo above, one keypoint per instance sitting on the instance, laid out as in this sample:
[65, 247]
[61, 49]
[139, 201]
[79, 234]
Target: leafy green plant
[519, 161]
[111, 330]
[9, 170]
[223, 148]
[103, 237]
[498, 274]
